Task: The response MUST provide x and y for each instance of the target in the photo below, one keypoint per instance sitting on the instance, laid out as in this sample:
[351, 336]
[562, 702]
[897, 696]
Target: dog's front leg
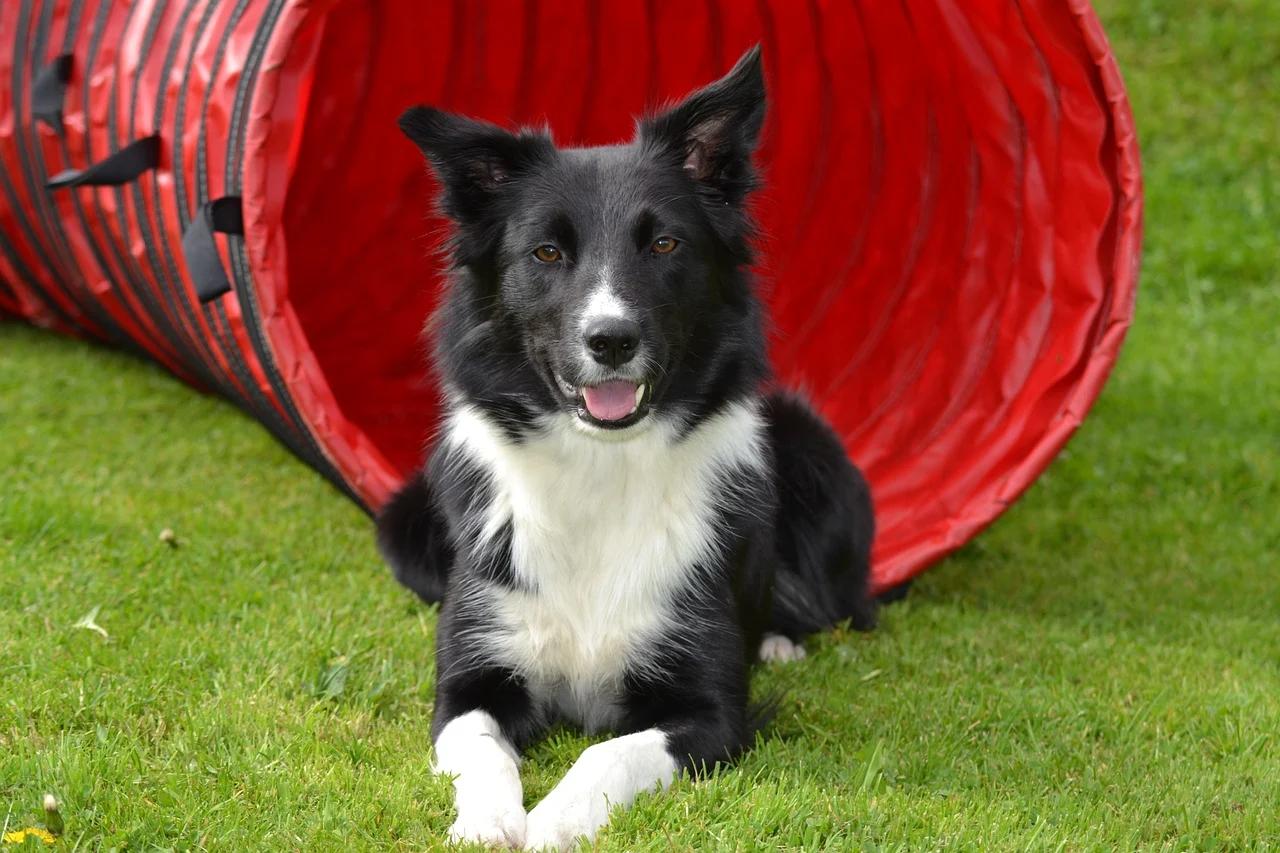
[607, 774]
[486, 780]
[612, 773]
[482, 718]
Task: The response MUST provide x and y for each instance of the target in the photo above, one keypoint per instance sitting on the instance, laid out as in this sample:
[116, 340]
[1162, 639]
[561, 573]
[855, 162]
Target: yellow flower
[20, 835]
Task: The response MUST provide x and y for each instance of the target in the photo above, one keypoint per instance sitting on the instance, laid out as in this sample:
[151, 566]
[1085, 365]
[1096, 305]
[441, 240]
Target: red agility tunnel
[951, 220]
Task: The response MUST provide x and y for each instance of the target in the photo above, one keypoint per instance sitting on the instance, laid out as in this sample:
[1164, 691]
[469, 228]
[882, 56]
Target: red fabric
[952, 217]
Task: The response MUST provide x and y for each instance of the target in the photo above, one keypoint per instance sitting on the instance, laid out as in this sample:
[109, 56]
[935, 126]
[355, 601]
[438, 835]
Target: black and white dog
[617, 516]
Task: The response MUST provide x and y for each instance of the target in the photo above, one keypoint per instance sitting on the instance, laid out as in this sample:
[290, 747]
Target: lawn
[1100, 670]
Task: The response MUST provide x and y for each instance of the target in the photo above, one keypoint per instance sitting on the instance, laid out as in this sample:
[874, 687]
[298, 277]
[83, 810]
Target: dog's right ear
[474, 160]
[712, 133]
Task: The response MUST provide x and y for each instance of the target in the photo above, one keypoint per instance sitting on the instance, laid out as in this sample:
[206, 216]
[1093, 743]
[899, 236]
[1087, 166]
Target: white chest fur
[604, 532]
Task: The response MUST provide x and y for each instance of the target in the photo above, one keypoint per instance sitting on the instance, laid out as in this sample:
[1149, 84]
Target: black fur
[794, 545]
[414, 540]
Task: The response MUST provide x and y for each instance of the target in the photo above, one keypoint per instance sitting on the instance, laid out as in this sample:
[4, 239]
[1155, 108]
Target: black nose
[613, 340]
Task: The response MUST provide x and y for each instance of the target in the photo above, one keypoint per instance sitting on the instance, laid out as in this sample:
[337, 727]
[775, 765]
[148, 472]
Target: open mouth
[615, 404]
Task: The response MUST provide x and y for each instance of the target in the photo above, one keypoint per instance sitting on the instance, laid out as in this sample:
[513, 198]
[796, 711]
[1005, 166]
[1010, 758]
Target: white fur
[486, 783]
[603, 533]
[605, 776]
[776, 647]
[603, 302]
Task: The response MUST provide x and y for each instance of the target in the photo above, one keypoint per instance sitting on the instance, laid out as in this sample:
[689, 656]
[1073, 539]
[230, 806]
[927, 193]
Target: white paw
[556, 827]
[491, 828]
[776, 647]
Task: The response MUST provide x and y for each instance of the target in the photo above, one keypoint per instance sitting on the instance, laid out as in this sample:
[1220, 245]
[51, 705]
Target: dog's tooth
[639, 394]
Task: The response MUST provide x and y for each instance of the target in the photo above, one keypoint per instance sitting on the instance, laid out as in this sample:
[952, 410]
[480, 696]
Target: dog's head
[609, 283]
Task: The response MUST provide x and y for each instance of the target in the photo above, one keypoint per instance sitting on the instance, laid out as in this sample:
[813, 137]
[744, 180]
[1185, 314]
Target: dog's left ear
[714, 131]
[474, 160]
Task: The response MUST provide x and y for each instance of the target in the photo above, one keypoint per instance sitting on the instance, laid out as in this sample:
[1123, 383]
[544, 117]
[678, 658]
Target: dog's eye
[664, 245]
[547, 253]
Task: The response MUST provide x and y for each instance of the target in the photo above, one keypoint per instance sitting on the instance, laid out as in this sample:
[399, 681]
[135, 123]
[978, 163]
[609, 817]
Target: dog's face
[618, 269]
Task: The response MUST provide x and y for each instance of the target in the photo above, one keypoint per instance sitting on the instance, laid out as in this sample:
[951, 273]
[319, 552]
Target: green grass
[1101, 670]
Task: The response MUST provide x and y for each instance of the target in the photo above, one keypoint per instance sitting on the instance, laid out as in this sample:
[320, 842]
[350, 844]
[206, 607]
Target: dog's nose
[613, 341]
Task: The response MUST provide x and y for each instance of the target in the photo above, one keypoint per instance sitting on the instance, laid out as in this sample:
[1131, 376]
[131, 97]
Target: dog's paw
[776, 647]
[553, 826]
[491, 828]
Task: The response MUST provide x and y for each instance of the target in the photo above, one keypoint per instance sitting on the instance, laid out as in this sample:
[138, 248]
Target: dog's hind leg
[779, 648]
[824, 526]
[413, 539]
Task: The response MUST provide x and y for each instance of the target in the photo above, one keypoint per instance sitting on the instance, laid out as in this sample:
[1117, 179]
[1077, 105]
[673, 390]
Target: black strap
[198, 247]
[120, 168]
[49, 89]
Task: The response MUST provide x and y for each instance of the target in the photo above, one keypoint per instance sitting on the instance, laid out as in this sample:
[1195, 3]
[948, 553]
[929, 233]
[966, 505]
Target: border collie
[618, 515]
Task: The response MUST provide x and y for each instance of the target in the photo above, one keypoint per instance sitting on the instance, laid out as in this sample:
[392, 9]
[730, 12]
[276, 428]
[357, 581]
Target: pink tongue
[610, 401]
